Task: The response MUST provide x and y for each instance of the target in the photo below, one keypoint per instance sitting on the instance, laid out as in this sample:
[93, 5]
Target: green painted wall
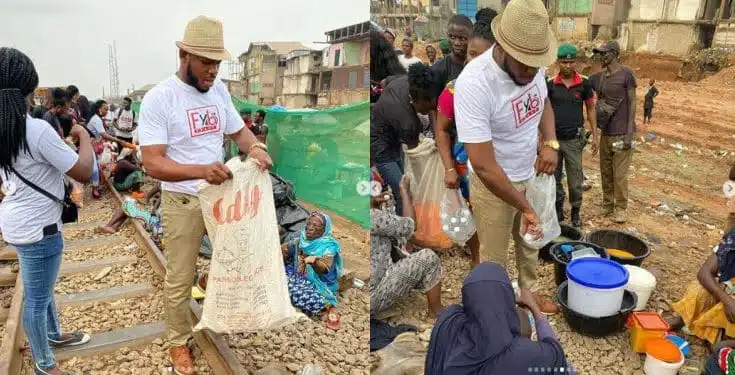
[352, 53]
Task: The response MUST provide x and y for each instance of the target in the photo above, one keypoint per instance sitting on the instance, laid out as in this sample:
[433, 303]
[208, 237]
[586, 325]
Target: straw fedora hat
[204, 38]
[524, 32]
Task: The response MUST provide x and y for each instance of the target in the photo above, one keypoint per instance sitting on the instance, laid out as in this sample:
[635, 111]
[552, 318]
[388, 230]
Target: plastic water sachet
[456, 217]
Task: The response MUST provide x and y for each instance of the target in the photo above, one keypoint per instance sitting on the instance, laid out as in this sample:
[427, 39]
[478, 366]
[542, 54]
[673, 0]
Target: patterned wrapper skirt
[303, 293]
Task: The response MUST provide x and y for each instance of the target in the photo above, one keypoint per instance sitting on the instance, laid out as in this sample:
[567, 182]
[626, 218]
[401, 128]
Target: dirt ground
[309, 341]
[676, 204]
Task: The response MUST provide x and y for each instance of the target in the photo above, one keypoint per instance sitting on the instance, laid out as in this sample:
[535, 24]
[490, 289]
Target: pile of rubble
[708, 60]
[725, 77]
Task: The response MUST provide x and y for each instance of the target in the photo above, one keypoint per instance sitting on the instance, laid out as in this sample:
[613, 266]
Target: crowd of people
[496, 118]
[53, 148]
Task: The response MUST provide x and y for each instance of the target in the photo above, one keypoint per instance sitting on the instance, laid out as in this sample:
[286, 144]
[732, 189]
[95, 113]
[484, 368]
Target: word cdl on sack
[239, 208]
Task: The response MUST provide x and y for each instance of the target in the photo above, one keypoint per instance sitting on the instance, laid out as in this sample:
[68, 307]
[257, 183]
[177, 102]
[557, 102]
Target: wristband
[259, 145]
[450, 169]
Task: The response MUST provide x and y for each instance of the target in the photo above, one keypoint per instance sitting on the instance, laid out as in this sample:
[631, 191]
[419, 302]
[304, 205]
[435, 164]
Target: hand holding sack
[247, 288]
[426, 172]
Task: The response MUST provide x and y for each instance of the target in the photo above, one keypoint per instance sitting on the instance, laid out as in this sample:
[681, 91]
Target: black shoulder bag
[70, 210]
[604, 109]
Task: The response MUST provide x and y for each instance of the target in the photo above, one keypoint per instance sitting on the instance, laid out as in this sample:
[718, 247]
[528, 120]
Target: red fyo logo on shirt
[203, 120]
[527, 105]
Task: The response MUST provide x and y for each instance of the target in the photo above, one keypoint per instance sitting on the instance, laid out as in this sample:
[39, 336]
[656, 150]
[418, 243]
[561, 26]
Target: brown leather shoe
[181, 360]
[546, 305]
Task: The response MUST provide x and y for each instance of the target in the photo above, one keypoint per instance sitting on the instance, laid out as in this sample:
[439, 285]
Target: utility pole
[114, 76]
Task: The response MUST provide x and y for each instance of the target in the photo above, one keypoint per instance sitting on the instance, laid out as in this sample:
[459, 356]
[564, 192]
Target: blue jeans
[39, 267]
[392, 172]
[95, 180]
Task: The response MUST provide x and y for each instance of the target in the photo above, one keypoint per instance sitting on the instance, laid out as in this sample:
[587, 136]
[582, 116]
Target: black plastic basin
[596, 327]
[567, 231]
[560, 262]
[615, 239]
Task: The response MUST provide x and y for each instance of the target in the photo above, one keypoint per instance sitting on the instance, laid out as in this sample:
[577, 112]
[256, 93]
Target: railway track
[110, 285]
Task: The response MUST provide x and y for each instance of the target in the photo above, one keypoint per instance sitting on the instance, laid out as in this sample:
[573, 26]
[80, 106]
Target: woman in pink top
[453, 154]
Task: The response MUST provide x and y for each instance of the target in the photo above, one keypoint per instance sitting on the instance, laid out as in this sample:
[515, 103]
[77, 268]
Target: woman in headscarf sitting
[483, 335]
[394, 272]
[313, 267]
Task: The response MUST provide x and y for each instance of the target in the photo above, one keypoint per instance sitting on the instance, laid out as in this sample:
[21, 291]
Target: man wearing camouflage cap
[570, 93]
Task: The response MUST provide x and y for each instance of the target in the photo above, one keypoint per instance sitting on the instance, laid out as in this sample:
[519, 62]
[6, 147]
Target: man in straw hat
[182, 124]
[569, 94]
[501, 105]
[615, 86]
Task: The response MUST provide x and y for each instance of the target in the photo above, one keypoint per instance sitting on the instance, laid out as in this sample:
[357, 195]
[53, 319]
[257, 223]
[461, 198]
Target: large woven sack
[247, 288]
[426, 175]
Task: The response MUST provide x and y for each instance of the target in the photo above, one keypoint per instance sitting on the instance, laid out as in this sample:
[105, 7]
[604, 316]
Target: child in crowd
[648, 102]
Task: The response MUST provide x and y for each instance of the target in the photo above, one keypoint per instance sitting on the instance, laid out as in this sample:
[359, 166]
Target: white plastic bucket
[653, 366]
[596, 286]
[642, 283]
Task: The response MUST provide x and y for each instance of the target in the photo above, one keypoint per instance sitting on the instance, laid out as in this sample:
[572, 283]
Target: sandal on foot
[333, 320]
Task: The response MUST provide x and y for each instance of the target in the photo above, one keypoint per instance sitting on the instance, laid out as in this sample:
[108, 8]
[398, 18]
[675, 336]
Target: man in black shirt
[395, 121]
[59, 107]
[458, 32]
[569, 92]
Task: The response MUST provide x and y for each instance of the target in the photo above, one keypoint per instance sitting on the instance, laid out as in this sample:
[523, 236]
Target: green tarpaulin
[324, 153]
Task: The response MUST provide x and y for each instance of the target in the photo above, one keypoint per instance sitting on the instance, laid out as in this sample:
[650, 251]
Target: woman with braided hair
[33, 161]
[399, 117]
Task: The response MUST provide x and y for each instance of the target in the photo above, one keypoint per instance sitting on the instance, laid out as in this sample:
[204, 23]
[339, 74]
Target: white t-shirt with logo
[97, 127]
[190, 123]
[125, 121]
[406, 62]
[24, 212]
[489, 106]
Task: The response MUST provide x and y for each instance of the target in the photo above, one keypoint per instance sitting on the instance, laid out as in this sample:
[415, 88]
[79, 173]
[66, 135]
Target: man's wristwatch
[553, 144]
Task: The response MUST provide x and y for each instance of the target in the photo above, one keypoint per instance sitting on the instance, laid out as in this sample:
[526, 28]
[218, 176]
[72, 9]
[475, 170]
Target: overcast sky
[67, 40]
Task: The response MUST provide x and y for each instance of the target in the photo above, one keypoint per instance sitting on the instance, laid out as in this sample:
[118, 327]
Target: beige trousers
[614, 168]
[183, 229]
[496, 222]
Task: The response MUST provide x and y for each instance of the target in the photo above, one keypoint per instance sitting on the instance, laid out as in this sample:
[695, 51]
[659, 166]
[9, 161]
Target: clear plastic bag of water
[456, 218]
[541, 194]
